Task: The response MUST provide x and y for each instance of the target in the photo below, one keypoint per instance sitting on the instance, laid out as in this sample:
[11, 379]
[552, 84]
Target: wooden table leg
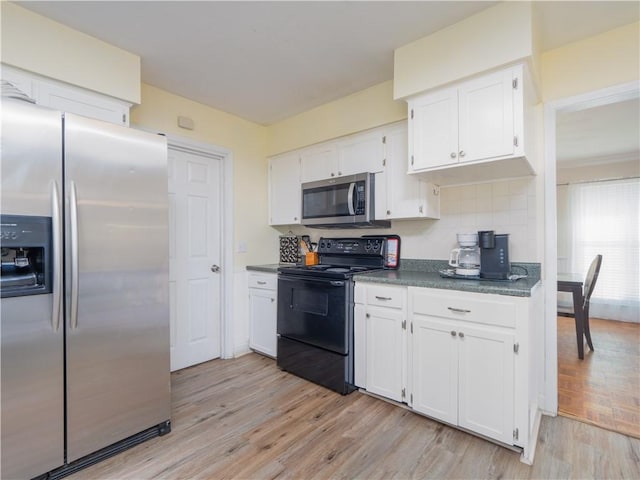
[579, 318]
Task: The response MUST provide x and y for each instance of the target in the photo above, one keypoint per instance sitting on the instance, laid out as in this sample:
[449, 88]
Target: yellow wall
[494, 37]
[35, 43]
[366, 109]
[159, 111]
[612, 58]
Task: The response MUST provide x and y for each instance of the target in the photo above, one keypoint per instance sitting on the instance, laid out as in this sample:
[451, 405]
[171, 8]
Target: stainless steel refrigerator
[85, 295]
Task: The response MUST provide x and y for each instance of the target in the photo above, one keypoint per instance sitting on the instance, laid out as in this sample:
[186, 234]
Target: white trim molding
[596, 98]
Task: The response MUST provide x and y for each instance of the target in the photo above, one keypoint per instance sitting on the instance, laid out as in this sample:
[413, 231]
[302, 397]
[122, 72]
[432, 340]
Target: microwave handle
[352, 187]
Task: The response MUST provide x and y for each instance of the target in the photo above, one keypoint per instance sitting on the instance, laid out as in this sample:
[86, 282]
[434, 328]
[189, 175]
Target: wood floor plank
[604, 388]
[245, 419]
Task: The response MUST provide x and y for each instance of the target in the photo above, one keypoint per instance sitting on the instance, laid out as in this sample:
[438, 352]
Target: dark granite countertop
[424, 273]
[268, 268]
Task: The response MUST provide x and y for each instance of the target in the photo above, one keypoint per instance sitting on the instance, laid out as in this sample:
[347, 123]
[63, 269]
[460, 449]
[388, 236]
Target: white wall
[36, 44]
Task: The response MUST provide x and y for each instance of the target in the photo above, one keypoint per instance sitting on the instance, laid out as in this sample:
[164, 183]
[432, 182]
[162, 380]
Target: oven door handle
[352, 187]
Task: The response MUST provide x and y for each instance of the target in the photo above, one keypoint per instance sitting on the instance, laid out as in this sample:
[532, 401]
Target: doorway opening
[603, 389]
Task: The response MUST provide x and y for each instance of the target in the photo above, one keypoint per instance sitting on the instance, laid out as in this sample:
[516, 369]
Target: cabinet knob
[462, 154]
[367, 315]
[453, 155]
[388, 212]
[339, 173]
[295, 218]
[461, 335]
[453, 333]
[273, 300]
[333, 174]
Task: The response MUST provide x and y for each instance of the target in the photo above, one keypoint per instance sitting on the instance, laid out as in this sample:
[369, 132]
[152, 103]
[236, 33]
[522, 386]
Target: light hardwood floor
[604, 388]
[246, 419]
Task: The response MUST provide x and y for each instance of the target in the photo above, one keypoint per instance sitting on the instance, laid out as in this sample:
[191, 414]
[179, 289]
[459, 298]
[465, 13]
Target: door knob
[215, 268]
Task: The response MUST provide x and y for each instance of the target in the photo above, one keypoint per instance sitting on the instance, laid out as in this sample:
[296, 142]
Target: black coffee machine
[494, 255]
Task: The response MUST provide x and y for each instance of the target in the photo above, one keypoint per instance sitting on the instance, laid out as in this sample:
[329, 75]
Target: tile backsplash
[507, 206]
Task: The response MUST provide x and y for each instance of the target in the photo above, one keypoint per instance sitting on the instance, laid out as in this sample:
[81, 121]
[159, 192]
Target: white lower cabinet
[381, 340]
[464, 358]
[463, 375]
[464, 352]
[263, 312]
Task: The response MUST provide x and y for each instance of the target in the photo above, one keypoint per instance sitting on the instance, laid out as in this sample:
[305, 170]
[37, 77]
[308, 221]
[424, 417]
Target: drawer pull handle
[261, 283]
[383, 298]
[459, 310]
[453, 333]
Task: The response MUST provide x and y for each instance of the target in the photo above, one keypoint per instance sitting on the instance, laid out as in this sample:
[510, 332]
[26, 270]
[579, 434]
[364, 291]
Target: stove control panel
[352, 246]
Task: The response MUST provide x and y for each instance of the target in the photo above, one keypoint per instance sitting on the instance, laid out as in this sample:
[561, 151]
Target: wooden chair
[589, 285]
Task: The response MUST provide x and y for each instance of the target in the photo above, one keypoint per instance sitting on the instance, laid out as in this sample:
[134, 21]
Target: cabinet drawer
[385, 296]
[265, 281]
[471, 307]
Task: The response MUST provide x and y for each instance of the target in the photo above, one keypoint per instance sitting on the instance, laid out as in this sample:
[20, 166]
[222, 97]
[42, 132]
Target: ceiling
[265, 61]
[598, 135]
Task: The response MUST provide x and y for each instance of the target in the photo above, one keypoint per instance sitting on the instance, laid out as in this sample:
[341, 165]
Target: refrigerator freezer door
[117, 289]
[32, 347]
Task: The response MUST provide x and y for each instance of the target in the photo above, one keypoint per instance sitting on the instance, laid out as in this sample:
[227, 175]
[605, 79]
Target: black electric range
[315, 310]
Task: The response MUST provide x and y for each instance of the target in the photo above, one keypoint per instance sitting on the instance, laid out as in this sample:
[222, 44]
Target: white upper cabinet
[363, 152]
[486, 117]
[433, 130]
[284, 189]
[320, 162]
[67, 98]
[480, 121]
[357, 153]
[398, 195]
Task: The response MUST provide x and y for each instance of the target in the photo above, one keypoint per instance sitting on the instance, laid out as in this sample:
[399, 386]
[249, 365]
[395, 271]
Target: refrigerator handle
[56, 222]
[73, 226]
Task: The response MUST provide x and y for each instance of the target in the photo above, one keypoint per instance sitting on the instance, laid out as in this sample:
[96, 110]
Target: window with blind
[604, 219]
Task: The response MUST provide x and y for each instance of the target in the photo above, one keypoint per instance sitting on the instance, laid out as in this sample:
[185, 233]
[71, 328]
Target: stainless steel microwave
[342, 202]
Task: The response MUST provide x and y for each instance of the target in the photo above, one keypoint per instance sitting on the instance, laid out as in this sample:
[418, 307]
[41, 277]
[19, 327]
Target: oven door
[315, 311]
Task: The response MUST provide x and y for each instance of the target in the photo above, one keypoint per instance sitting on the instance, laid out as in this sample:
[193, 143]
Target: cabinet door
[435, 368]
[486, 382]
[486, 125]
[385, 352]
[284, 190]
[363, 152]
[407, 196]
[319, 162]
[433, 130]
[262, 321]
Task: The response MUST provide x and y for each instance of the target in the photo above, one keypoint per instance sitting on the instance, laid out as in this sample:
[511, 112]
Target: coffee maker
[494, 255]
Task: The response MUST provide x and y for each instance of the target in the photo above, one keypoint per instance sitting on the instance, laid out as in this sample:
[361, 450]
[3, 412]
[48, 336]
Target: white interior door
[195, 206]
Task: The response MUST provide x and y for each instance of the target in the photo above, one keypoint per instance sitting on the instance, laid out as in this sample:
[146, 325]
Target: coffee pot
[466, 258]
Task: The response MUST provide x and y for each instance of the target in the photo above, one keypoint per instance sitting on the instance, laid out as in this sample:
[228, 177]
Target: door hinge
[404, 393]
[515, 140]
[516, 433]
[516, 347]
[411, 327]
[514, 83]
[384, 162]
[384, 139]
[412, 114]
[411, 398]
[411, 159]
[404, 324]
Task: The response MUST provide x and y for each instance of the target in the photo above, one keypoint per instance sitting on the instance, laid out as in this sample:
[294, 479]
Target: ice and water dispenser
[25, 242]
